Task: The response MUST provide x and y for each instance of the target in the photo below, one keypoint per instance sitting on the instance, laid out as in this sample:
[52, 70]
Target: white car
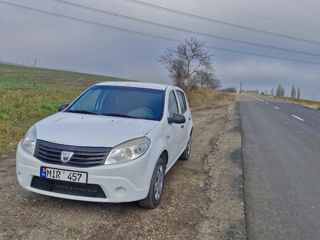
[114, 143]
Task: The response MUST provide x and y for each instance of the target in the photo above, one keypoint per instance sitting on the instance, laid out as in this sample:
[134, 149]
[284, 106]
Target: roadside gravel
[202, 197]
[225, 216]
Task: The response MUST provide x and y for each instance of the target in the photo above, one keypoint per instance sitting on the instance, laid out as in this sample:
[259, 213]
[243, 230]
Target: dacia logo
[66, 156]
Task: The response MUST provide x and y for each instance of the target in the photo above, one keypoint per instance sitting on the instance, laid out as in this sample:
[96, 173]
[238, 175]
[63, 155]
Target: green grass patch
[28, 95]
[18, 77]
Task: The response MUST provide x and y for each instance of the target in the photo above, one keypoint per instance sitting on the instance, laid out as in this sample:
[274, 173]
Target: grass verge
[302, 102]
[203, 98]
[28, 95]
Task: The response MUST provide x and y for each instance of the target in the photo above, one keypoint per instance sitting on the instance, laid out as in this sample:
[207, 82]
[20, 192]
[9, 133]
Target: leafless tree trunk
[280, 91]
[293, 92]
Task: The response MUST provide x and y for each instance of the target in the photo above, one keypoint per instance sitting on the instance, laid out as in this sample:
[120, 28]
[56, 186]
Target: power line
[263, 55]
[147, 34]
[184, 30]
[306, 4]
[221, 22]
[83, 20]
[249, 14]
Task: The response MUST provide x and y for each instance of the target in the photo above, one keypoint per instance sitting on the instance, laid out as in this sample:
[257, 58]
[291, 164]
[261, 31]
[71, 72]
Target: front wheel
[156, 186]
[187, 152]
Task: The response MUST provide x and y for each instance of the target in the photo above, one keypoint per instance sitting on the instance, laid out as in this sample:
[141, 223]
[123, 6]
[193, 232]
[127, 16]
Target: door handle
[182, 126]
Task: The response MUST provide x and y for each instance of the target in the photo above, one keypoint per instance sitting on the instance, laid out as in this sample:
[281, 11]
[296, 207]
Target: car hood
[91, 130]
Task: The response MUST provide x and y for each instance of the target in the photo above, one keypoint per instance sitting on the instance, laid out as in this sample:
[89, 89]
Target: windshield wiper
[82, 111]
[117, 115]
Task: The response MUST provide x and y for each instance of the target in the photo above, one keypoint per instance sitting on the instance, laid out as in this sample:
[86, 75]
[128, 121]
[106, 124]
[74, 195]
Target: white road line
[257, 99]
[276, 107]
[266, 102]
[297, 118]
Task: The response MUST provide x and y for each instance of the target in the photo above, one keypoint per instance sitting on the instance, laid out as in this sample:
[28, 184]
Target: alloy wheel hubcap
[158, 183]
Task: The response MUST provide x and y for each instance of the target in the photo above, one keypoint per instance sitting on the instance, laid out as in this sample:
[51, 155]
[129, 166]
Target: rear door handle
[182, 126]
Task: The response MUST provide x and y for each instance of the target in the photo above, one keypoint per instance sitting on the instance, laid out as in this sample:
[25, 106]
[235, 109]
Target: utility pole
[241, 87]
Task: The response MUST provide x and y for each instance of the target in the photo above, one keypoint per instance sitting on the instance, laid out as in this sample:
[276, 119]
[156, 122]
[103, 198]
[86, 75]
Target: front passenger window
[173, 106]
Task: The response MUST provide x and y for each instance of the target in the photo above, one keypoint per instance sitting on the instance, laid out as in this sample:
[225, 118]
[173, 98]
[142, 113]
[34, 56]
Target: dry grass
[203, 98]
[305, 103]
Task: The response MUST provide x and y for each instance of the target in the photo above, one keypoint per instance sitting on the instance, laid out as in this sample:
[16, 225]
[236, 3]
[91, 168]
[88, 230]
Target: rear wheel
[156, 186]
[187, 152]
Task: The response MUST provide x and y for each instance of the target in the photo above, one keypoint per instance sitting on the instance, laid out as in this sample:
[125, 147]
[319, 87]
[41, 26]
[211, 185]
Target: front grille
[70, 188]
[82, 156]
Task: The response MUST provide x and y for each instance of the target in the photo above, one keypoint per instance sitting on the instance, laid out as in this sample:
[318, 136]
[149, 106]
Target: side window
[172, 105]
[182, 101]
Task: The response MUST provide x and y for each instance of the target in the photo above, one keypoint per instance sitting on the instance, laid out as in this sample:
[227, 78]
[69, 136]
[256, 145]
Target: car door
[183, 110]
[175, 132]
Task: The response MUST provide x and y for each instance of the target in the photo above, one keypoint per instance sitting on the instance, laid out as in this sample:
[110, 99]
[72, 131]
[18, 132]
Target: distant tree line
[190, 65]
[230, 89]
[251, 91]
[280, 92]
[19, 63]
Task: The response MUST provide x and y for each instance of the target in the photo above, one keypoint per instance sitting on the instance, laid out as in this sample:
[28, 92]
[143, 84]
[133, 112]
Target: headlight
[128, 151]
[28, 143]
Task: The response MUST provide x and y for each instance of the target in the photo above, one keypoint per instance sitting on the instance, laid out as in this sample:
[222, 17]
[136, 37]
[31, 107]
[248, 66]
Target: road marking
[266, 102]
[257, 99]
[297, 118]
[276, 107]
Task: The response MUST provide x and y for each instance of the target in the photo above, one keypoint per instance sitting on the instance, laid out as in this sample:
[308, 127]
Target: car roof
[135, 84]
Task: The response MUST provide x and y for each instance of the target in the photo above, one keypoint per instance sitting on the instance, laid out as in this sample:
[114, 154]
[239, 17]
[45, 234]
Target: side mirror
[63, 107]
[177, 118]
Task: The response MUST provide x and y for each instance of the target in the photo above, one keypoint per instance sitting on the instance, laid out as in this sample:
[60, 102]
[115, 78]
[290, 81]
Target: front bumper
[125, 182]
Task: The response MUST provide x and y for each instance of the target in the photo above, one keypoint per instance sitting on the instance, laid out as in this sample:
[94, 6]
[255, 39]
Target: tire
[187, 152]
[156, 186]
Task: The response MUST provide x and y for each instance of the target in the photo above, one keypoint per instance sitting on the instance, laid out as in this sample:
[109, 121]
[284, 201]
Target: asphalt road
[281, 157]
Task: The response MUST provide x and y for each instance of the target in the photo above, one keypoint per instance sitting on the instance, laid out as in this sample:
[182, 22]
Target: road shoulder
[225, 218]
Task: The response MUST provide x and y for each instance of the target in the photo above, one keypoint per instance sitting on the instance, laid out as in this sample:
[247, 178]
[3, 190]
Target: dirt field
[202, 197]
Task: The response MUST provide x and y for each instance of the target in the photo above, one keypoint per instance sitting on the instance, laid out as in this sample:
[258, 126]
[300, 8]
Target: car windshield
[129, 102]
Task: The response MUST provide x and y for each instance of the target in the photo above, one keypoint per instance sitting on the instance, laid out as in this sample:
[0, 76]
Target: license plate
[63, 175]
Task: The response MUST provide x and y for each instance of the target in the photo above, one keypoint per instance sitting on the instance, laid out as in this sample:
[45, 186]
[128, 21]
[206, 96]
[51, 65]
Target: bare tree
[207, 79]
[177, 71]
[293, 92]
[299, 93]
[280, 91]
[214, 83]
[187, 64]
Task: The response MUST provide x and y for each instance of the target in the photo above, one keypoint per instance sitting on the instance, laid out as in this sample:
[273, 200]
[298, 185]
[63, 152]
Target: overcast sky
[67, 44]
